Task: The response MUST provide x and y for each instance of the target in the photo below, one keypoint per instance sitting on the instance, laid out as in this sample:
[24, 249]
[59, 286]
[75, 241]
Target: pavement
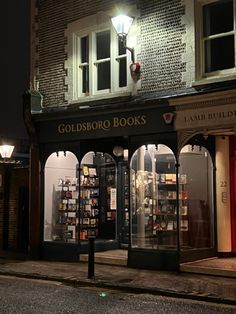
[202, 287]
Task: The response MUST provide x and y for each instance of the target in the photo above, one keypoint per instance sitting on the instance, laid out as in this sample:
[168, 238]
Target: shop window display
[61, 198]
[125, 198]
[98, 196]
[80, 198]
[108, 188]
[154, 198]
[164, 202]
[89, 201]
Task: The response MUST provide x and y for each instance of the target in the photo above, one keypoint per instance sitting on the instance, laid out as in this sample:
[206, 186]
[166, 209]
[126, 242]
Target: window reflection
[196, 212]
[80, 199]
[61, 198]
[163, 204]
[153, 198]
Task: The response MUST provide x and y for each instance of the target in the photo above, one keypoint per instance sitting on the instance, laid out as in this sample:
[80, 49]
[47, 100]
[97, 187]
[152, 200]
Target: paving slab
[183, 285]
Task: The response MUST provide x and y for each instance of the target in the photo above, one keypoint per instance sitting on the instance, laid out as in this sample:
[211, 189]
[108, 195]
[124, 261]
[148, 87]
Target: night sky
[15, 43]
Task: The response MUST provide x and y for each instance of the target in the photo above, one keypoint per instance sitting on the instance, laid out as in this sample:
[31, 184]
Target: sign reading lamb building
[215, 116]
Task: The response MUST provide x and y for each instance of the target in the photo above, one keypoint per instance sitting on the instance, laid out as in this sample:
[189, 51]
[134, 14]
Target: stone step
[104, 258]
[211, 266]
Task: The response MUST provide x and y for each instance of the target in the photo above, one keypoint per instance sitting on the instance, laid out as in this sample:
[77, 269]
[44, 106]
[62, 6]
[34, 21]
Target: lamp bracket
[123, 40]
[131, 51]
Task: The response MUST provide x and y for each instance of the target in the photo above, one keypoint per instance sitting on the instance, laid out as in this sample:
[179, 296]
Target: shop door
[233, 203]
[108, 204]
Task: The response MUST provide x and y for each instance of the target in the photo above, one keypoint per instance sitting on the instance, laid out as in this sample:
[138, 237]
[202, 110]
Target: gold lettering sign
[104, 125]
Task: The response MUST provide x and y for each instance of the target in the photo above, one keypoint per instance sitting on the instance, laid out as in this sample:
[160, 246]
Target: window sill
[88, 99]
[215, 79]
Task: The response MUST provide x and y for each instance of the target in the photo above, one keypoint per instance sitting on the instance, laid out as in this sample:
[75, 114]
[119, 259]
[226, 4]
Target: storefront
[212, 114]
[121, 177]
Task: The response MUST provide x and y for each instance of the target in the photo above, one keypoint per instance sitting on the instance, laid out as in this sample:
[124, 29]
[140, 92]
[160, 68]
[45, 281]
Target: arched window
[196, 198]
[80, 200]
[61, 198]
[153, 198]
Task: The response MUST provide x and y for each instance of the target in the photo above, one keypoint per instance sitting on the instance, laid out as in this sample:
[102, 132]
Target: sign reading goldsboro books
[119, 124]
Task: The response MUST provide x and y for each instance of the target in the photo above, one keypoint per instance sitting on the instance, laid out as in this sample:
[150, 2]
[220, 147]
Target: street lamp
[122, 25]
[6, 151]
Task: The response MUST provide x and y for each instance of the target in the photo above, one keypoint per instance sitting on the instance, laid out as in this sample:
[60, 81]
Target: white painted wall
[223, 194]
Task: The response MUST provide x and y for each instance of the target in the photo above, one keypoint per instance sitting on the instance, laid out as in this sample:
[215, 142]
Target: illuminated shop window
[153, 198]
[61, 198]
[98, 196]
[80, 199]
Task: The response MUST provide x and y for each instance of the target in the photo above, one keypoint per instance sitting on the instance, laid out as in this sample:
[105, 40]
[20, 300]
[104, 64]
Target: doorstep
[212, 266]
[114, 257]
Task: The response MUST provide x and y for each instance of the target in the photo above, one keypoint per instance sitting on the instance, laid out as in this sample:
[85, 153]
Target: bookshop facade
[120, 177]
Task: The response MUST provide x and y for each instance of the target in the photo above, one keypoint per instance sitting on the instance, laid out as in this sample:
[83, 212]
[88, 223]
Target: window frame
[95, 62]
[89, 27]
[201, 75]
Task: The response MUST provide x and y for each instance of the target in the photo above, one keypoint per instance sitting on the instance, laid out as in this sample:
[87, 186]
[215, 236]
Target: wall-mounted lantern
[122, 25]
[6, 151]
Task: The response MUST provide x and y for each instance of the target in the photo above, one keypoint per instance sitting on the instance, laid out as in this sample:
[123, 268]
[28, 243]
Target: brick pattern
[19, 177]
[188, 57]
[161, 45]
[160, 40]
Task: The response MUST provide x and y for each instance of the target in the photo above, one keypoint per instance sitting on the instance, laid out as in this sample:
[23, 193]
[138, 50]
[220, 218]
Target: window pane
[219, 54]
[122, 72]
[60, 207]
[218, 17]
[103, 45]
[84, 49]
[103, 75]
[108, 206]
[85, 75]
[153, 198]
[196, 206]
[121, 45]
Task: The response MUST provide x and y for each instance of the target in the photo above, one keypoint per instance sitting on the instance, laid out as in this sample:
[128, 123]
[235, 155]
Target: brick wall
[161, 45]
[18, 178]
[160, 41]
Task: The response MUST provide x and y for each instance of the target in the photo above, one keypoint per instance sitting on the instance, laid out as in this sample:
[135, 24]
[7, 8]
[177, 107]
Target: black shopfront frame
[81, 131]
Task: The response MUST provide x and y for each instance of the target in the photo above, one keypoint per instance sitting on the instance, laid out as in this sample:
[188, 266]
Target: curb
[196, 296]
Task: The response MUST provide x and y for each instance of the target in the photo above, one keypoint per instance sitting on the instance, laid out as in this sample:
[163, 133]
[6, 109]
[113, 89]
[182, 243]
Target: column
[223, 194]
[34, 204]
[141, 191]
